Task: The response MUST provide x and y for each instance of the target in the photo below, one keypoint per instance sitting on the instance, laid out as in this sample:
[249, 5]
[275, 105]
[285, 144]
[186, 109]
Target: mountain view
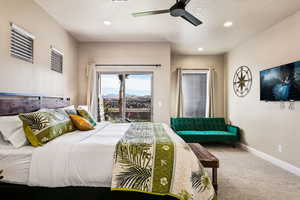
[138, 99]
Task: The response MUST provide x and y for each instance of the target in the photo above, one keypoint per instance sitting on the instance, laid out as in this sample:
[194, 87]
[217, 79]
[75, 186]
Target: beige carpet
[243, 176]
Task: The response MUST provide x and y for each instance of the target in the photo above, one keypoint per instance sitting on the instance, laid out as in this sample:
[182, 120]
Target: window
[56, 60]
[21, 45]
[126, 97]
[195, 93]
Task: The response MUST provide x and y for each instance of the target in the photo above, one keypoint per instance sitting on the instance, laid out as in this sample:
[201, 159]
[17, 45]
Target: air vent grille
[21, 45]
[56, 60]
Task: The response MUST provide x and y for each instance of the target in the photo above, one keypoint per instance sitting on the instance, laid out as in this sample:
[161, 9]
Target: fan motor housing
[177, 10]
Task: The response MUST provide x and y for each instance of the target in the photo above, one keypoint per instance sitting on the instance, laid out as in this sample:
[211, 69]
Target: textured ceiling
[84, 20]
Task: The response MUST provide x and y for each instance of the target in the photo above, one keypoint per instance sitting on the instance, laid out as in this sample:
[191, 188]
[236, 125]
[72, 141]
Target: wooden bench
[208, 160]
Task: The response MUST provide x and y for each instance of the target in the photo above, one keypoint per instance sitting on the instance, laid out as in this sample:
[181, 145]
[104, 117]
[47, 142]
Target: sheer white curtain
[92, 99]
[211, 102]
[179, 103]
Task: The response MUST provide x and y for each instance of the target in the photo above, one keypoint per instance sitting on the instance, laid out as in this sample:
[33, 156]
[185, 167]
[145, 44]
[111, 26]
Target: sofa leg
[233, 144]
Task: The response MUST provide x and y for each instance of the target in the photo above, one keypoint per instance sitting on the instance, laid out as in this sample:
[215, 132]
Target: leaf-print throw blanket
[151, 158]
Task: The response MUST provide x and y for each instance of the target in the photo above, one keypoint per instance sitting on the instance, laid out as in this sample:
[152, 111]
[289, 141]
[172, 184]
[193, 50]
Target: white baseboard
[279, 163]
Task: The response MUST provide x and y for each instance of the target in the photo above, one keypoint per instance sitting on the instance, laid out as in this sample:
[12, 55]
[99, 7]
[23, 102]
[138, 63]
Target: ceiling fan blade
[190, 18]
[185, 1]
[155, 12]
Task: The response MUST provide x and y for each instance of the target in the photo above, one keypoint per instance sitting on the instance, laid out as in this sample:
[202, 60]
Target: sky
[139, 85]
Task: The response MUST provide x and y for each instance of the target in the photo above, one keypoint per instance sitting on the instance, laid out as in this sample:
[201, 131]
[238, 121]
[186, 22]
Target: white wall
[265, 125]
[131, 53]
[200, 62]
[18, 76]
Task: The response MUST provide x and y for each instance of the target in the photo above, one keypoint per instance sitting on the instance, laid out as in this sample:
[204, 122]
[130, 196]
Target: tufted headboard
[13, 103]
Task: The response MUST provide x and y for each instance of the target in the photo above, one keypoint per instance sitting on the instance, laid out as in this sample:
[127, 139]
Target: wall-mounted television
[281, 83]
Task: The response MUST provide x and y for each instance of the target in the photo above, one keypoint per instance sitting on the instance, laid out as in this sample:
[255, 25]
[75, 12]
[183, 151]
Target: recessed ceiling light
[200, 49]
[228, 24]
[107, 23]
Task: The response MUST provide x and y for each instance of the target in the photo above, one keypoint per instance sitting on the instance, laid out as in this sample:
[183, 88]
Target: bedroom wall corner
[18, 76]
[266, 126]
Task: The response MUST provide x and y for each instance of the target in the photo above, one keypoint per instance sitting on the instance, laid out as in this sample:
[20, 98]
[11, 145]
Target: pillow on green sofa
[42, 126]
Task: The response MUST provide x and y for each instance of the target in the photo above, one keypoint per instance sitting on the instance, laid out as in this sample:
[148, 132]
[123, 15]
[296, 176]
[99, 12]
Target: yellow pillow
[81, 123]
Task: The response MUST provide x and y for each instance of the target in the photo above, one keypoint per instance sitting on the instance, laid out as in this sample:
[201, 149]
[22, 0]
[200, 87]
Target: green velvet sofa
[201, 130]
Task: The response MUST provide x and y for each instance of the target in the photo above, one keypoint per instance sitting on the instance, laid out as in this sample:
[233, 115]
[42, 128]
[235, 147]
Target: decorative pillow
[11, 128]
[81, 123]
[70, 110]
[42, 126]
[85, 114]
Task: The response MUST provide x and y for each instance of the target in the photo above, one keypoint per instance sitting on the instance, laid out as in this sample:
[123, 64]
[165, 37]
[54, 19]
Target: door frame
[123, 115]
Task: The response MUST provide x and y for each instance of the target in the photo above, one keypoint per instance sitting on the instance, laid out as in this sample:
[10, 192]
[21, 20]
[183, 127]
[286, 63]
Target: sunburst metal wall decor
[242, 81]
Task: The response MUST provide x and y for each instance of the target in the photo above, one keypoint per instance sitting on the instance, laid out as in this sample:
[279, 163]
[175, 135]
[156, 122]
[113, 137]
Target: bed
[76, 165]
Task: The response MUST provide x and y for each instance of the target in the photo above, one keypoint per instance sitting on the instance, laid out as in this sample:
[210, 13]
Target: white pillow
[11, 128]
[70, 110]
[83, 107]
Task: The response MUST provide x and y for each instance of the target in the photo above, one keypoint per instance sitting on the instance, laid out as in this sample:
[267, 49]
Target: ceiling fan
[177, 10]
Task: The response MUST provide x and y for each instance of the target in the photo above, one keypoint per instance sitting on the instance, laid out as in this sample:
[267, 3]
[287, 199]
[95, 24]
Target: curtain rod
[196, 69]
[129, 65]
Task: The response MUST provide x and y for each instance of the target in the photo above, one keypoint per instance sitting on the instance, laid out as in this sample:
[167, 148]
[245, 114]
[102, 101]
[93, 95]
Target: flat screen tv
[281, 83]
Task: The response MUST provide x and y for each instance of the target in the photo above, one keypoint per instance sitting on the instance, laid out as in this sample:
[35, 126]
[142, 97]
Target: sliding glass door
[138, 97]
[111, 96]
[126, 97]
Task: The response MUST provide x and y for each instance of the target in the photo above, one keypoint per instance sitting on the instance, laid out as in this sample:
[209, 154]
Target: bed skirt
[75, 193]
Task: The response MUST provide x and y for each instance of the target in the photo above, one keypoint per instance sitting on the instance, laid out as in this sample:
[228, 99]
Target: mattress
[15, 163]
[77, 159]
[35, 166]
[88, 159]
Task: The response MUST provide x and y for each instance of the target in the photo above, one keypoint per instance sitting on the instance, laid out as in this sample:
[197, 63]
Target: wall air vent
[56, 60]
[21, 45]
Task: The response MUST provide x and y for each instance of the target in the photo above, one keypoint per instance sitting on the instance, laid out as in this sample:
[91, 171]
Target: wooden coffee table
[208, 160]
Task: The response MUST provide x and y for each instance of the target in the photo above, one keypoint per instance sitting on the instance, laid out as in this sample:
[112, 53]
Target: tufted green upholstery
[205, 130]
[198, 124]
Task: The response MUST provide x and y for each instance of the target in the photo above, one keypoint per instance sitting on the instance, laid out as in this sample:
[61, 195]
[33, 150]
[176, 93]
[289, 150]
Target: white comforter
[15, 163]
[77, 159]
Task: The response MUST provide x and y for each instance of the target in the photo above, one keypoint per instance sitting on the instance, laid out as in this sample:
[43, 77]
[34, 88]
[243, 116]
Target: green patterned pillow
[85, 114]
[42, 126]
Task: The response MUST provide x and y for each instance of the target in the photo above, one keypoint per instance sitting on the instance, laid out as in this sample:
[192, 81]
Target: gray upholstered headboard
[13, 103]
